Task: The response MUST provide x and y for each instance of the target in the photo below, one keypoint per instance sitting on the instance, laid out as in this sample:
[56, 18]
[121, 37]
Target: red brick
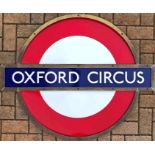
[16, 18]
[146, 58]
[147, 100]
[9, 37]
[1, 83]
[138, 138]
[0, 44]
[145, 92]
[20, 45]
[148, 46]
[127, 19]
[153, 114]
[34, 127]
[26, 30]
[104, 137]
[122, 28]
[48, 137]
[61, 139]
[107, 16]
[153, 131]
[0, 97]
[126, 128]
[94, 14]
[49, 16]
[7, 112]
[8, 98]
[139, 32]
[147, 19]
[14, 126]
[21, 111]
[28, 137]
[1, 24]
[37, 18]
[7, 58]
[133, 113]
[117, 138]
[135, 44]
[145, 122]
[63, 14]
[8, 137]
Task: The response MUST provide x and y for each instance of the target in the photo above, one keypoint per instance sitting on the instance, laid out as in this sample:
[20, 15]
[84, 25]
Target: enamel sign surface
[73, 41]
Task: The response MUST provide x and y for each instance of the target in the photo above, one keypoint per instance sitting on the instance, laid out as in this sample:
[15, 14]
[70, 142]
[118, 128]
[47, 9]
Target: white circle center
[77, 50]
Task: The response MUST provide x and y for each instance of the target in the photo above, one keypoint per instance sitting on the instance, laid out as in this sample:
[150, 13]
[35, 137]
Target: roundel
[77, 40]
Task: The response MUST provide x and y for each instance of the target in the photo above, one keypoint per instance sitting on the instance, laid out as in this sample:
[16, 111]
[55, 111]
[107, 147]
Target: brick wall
[17, 124]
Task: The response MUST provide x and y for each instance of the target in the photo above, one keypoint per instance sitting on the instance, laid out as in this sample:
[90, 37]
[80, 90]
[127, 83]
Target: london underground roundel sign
[74, 40]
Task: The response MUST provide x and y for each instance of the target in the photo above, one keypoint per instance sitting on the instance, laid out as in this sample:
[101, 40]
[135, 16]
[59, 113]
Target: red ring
[112, 113]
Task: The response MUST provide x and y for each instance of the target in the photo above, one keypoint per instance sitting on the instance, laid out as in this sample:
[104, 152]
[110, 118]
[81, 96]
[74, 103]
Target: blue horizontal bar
[78, 77]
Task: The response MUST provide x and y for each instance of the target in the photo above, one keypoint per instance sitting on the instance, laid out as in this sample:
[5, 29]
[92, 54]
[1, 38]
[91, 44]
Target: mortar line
[30, 18]
[113, 18]
[44, 14]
